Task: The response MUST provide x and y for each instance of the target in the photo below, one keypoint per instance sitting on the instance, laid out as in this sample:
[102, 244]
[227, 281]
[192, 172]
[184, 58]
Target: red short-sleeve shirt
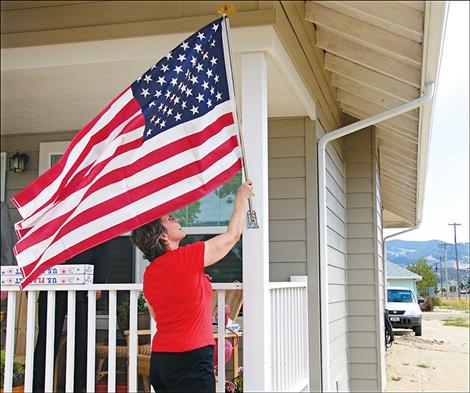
[181, 295]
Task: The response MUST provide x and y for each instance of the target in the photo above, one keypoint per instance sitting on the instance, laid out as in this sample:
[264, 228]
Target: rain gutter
[323, 228]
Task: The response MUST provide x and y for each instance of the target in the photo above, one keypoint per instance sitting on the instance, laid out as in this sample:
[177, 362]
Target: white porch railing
[134, 290]
[289, 348]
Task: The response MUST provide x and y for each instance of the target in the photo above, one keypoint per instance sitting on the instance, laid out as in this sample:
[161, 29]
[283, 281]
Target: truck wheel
[417, 330]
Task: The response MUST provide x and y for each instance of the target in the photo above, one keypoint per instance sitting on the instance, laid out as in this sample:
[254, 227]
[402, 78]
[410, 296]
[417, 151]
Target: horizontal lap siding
[287, 198]
[337, 273]
[362, 262]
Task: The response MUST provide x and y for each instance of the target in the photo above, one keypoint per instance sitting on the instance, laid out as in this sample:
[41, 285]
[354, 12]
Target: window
[210, 216]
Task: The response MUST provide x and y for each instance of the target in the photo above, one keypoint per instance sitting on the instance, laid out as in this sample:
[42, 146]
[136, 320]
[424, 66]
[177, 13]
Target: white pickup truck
[403, 309]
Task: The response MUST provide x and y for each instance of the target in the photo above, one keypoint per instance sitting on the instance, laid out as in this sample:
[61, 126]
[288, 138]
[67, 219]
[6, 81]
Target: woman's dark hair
[147, 238]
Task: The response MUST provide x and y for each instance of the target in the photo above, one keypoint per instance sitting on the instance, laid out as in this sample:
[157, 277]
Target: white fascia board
[245, 39]
[433, 42]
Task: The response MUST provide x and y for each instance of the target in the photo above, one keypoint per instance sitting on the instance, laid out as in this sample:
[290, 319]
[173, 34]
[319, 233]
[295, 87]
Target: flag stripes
[46, 187]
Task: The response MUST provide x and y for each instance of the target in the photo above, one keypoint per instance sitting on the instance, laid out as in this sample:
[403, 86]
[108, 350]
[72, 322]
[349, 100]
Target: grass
[455, 304]
[423, 365]
[460, 322]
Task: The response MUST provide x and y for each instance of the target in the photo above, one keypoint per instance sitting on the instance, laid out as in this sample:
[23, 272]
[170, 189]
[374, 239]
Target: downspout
[324, 140]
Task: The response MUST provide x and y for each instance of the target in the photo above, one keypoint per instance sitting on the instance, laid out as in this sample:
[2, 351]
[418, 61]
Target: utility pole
[445, 267]
[456, 258]
[440, 275]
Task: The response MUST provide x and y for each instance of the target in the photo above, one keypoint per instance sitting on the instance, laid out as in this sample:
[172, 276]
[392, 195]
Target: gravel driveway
[438, 361]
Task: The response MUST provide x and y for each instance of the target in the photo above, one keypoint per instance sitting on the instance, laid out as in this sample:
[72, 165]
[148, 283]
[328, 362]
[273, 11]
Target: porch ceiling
[374, 51]
[55, 88]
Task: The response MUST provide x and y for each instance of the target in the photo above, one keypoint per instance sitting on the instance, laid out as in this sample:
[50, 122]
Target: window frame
[3, 172]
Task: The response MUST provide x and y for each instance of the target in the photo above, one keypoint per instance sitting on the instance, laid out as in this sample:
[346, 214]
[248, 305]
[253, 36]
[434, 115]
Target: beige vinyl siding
[287, 198]
[337, 264]
[363, 281]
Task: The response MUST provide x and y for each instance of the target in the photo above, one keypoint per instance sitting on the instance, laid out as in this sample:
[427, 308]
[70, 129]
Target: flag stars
[201, 36]
[161, 80]
[216, 78]
[209, 103]
[194, 79]
[212, 43]
[198, 48]
[189, 92]
[183, 105]
[178, 116]
[178, 69]
[168, 94]
[218, 96]
[164, 68]
[181, 58]
[205, 56]
[215, 27]
[212, 91]
[199, 67]
[194, 110]
[200, 97]
[185, 45]
[145, 93]
[193, 61]
[169, 112]
[162, 124]
[214, 60]
[158, 93]
[177, 100]
[148, 79]
[152, 104]
[149, 132]
[169, 56]
[174, 81]
[209, 73]
[205, 85]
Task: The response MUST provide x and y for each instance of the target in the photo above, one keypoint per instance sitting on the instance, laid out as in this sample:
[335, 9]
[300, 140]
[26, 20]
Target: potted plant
[143, 316]
[18, 374]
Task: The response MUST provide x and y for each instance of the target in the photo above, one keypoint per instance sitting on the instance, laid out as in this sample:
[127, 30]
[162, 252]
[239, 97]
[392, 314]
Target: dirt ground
[438, 361]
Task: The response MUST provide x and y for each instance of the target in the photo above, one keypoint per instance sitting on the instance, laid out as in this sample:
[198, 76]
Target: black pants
[191, 371]
[80, 338]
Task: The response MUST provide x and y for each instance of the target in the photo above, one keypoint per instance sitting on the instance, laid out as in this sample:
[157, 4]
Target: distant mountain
[405, 252]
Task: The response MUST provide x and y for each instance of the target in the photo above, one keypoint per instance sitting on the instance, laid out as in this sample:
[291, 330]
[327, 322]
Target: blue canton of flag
[185, 84]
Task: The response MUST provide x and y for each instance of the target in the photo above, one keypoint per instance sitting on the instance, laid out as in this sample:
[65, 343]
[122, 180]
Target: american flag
[164, 142]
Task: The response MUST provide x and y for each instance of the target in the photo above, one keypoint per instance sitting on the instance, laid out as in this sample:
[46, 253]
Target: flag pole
[252, 221]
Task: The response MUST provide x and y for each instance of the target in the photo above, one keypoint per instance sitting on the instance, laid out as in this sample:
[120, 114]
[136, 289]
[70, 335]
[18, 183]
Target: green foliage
[18, 371]
[429, 279]
[459, 322]
[123, 310]
[423, 365]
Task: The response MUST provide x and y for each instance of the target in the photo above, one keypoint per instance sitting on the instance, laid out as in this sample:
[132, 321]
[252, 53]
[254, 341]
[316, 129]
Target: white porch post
[256, 307]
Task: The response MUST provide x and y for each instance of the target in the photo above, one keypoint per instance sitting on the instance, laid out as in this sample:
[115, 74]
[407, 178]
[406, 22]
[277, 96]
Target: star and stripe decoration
[186, 83]
[166, 141]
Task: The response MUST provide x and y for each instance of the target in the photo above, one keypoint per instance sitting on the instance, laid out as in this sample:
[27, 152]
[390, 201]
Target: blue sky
[447, 183]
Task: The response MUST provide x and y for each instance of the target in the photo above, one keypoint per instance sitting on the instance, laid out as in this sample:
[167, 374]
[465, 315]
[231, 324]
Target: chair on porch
[234, 298]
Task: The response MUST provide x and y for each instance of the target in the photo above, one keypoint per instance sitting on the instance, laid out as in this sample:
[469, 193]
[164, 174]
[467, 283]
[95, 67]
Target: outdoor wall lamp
[18, 161]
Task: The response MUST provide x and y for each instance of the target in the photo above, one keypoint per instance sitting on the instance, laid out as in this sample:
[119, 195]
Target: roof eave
[433, 40]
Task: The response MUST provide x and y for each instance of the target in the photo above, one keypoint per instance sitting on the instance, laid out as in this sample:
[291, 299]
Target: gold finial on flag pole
[252, 221]
[226, 9]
